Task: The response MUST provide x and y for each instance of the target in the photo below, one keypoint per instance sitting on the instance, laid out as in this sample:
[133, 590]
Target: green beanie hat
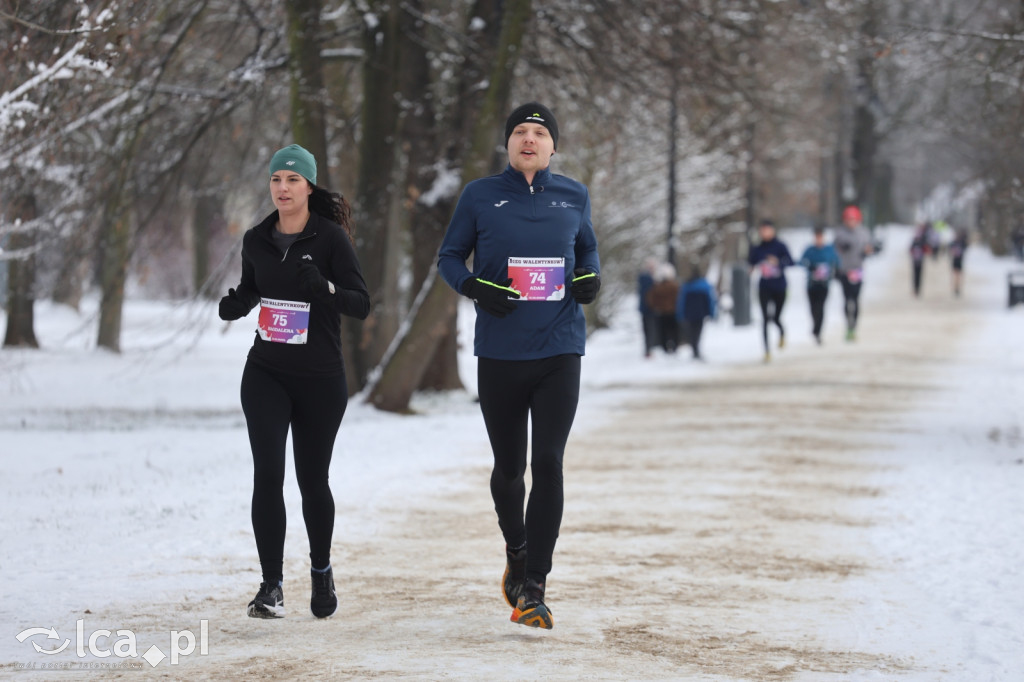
[294, 158]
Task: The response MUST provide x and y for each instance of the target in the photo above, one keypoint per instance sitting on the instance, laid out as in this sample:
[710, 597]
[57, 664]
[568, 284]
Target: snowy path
[845, 512]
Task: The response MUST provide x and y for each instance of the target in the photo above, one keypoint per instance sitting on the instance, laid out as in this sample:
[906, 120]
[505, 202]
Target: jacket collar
[541, 178]
[266, 226]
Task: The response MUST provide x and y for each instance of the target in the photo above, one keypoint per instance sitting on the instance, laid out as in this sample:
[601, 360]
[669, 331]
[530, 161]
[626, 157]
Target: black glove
[232, 308]
[311, 282]
[492, 298]
[585, 285]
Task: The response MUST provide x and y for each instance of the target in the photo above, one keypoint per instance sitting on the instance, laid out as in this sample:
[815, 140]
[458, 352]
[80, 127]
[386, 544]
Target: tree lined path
[728, 528]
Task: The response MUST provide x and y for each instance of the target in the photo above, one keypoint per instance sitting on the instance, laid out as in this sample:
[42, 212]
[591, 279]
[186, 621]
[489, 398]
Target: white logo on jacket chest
[501, 203]
[562, 204]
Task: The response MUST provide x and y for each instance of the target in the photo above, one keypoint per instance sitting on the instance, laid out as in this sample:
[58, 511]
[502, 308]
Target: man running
[535, 262]
[771, 258]
[852, 244]
[821, 262]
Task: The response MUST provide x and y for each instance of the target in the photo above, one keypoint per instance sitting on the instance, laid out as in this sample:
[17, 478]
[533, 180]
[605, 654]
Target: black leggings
[776, 298]
[817, 295]
[668, 329]
[851, 294]
[694, 329]
[511, 393]
[313, 407]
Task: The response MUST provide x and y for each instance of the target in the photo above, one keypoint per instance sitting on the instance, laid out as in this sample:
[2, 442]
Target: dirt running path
[717, 530]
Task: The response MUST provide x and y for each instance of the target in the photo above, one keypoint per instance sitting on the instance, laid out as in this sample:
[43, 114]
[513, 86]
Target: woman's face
[290, 192]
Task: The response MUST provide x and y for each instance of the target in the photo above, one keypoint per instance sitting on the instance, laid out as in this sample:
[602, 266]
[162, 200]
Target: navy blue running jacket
[502, 217]
[773, 276]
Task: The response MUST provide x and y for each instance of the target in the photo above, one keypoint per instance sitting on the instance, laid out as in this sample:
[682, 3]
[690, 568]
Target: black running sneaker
[268, 602]
[530, 609]
[515, 574]
[324, 601]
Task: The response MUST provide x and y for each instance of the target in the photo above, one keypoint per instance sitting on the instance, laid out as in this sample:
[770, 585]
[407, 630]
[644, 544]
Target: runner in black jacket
[771, 258]
[300, 267]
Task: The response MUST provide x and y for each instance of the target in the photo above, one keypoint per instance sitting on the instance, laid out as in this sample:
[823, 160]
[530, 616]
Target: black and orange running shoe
[515, 574]
[530, 609]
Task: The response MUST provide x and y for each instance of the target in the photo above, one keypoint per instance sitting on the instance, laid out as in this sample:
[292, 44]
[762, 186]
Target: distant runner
[821, 262]
[695, 303]
[771, 258]
[919, 248]
[852, 244]
[957, 247]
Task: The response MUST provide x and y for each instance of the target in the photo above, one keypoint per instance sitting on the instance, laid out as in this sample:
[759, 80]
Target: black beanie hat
[532, 112]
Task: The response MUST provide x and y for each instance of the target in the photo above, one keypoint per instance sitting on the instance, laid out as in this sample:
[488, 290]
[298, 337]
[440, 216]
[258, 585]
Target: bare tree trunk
[864, 145]
[115, 242]
[21, 276]
[429, 224]
[377, 234]
[309, 129]
[406, 368]
[206, 216]
[673, 154]
[308, 94]
[436, 316]
[77, 268]
[425, 138]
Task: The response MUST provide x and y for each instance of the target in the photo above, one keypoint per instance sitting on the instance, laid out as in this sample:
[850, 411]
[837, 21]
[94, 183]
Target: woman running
[300, 267]
[957, 247]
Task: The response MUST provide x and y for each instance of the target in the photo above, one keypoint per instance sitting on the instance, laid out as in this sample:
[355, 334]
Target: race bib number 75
[283, 321]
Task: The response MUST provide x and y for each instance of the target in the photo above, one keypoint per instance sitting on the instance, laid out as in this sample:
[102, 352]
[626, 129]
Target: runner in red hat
[852, 245]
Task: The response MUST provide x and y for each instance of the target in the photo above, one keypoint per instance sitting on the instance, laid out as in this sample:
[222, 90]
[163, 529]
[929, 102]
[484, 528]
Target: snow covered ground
[853, 511]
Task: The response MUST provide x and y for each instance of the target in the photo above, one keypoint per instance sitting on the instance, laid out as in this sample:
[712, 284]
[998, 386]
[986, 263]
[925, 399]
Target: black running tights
[312, 406]
[512, 392]
[817, 295]
[851, 294]
[772, 301]
[694, 329]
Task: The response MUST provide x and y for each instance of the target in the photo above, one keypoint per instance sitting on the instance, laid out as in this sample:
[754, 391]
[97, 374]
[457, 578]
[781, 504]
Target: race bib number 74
[283, 321]
[538, 279]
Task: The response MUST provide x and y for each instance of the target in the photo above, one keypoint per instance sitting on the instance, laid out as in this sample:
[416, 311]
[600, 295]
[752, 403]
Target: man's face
[530, 148]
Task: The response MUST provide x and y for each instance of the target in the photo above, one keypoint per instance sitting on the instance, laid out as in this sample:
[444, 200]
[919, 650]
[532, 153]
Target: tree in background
[433, 317]
[34, 126]
[140, 135]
